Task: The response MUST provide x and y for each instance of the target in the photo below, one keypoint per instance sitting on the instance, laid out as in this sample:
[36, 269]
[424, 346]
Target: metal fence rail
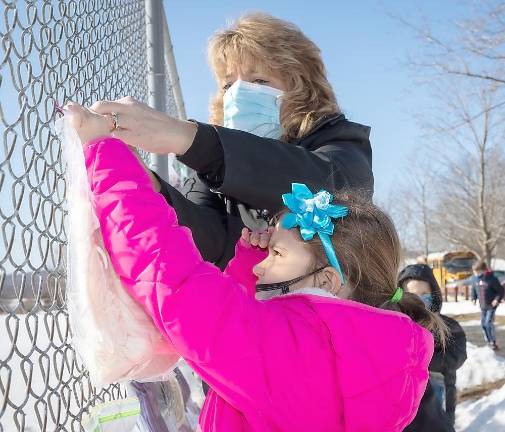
[52, 51]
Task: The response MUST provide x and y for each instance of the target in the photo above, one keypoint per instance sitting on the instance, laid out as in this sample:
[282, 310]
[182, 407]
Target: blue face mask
[427, 300]
[253, 108]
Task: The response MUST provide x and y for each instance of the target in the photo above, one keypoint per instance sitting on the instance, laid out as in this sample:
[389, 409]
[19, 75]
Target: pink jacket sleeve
[228, 337]
[241, 265]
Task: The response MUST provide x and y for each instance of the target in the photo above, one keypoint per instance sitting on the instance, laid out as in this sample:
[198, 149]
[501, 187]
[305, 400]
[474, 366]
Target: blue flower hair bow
[313, 214]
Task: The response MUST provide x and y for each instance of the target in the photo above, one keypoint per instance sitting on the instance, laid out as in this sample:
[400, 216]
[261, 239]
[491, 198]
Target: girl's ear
[329, 280]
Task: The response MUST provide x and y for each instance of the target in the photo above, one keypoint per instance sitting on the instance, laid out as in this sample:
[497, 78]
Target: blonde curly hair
[280, 48]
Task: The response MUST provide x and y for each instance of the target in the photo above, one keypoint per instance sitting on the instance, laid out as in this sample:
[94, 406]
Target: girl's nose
[259, 269]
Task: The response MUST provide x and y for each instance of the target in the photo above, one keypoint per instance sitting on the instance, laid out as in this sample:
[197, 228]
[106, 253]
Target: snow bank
[482, 366]
[484, 414]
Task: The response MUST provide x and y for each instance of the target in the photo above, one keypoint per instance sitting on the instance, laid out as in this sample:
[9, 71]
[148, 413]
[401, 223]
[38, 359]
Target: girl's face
[417, 287]
[253, 74]
[288, 258]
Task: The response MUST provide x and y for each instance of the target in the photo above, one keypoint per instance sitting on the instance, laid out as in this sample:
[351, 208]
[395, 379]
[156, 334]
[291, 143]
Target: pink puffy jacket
[299, 362]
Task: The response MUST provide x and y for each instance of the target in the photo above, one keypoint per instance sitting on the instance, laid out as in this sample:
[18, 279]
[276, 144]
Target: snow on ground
[482, 366]
[467, 307]
[473, 323]
[483, 414]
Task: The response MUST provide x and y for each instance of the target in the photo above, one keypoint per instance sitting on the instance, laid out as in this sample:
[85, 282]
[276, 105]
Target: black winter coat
[430, 416]
[239, 178]
[448, 361]
[486, 288]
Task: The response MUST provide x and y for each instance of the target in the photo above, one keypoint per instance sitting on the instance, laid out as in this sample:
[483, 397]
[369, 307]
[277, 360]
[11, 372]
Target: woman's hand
[87, 123]
[259, 239]
[143, 127]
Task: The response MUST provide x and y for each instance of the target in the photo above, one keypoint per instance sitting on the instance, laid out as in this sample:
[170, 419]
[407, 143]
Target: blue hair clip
[313, 214]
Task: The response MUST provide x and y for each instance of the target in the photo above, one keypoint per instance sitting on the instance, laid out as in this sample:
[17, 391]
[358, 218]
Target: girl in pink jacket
[314, 359]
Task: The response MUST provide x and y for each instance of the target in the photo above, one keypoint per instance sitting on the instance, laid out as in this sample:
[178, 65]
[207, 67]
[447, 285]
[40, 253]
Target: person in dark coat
[419, 279]
[274, 121]
[487, 289]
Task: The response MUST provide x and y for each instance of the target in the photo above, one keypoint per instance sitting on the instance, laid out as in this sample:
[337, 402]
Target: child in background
[487, 289]
[312, 359]
[419, 279]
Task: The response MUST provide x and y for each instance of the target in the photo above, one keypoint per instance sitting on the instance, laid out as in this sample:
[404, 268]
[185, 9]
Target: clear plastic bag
[115, 339]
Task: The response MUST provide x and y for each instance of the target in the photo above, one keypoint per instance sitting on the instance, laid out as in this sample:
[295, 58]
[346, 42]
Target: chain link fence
[52, 52]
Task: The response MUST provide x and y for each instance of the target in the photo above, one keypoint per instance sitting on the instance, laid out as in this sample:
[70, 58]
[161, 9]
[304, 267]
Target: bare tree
[470, 207]
[411, 204]
[416, 196]
[477, 49]
[464, 69]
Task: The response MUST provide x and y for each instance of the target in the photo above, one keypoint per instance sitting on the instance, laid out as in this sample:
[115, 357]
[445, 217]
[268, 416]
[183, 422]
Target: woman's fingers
[76, 114]
[121, 109]
[87, 123]
[106, 107]
[143, 127]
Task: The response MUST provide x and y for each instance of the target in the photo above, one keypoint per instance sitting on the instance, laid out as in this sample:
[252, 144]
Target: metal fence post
[156, 71]
[172, 70]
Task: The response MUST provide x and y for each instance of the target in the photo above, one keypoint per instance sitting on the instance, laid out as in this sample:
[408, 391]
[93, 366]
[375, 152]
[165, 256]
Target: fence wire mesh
[51, 52]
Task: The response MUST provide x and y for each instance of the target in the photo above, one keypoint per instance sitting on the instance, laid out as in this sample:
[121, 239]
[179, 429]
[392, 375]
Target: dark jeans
[487, 323]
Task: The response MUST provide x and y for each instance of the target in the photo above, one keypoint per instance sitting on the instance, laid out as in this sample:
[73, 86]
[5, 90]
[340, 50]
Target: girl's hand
[145, 128]
[87, 123]
[257, 239]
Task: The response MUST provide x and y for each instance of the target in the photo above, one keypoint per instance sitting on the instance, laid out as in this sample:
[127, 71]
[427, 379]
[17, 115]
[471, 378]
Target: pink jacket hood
[300, 362]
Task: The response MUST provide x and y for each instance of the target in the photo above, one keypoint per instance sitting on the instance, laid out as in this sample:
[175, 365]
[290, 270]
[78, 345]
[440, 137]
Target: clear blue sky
[365, 52]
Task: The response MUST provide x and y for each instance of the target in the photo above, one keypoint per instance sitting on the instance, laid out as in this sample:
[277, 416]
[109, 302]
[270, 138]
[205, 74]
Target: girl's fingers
[264, 239]
[255, 238]
[245, 234]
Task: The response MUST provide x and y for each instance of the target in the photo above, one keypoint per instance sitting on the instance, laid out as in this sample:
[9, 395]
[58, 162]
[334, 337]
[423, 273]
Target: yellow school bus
[451, 266]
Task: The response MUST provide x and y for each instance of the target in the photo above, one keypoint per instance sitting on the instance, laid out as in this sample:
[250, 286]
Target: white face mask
[253, 108]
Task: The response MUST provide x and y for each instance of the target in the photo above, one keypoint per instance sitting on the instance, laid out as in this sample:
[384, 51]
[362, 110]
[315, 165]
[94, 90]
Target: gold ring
[115, 120]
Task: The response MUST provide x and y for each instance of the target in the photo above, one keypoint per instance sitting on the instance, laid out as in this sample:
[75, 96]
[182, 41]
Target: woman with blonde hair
[274, 121]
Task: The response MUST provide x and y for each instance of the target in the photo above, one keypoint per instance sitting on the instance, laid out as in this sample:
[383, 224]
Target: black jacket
[239, 178]
[448, 361]
[445, 361]
[430, 416]
[486, 288]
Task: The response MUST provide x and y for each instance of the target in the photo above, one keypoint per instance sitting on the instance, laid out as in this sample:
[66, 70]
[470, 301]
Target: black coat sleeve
[475, 294]
[214, 231]
[454, 355]
[497, 288]
[257, 171]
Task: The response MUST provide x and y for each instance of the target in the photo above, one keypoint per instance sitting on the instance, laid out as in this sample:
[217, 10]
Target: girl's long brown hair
[368, 249]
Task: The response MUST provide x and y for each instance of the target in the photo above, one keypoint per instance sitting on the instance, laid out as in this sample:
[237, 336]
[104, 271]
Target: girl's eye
[226, 86]
[276, 252]
[260, 81]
